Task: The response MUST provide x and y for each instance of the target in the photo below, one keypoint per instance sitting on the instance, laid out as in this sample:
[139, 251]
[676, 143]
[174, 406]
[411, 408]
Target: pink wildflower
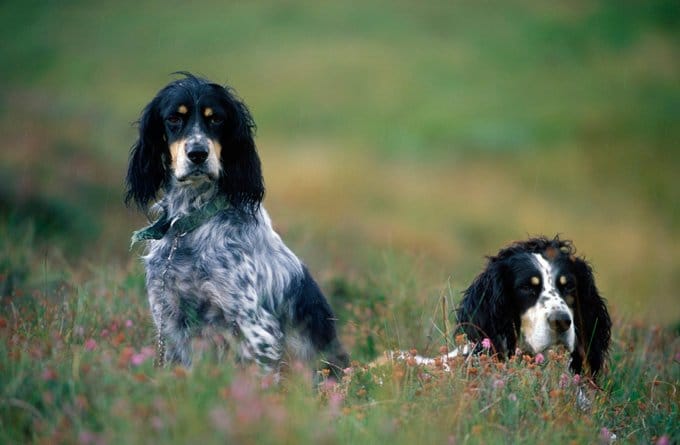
[539, 358]
[157, 423]
[577, 379]
[90, 344]
[128, 323]
[486, 343]
[221, 419]
[49, 374]
[242, 389]
[605, 435]
[105, 333]
[328, 385]
[138, 359]
[335, 402]
[565, 380]
[148, 351]
[663, 440]
[270, 380]
[512, 397]
[86, 438]
[498, 384]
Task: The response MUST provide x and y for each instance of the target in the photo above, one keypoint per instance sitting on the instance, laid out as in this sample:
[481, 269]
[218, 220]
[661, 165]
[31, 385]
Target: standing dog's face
[193, 132]
[193, 129]
[536, 294]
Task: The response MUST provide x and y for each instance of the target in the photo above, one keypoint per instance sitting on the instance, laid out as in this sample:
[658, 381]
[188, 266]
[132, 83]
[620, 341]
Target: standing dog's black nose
[559, 321]
[197, 152]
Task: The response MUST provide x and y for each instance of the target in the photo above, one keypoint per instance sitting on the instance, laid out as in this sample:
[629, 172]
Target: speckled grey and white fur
[232, 273]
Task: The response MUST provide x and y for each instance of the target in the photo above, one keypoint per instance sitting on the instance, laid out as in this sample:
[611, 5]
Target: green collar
[180, 225]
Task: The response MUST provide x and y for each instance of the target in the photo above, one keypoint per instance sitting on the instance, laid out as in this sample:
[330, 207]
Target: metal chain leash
[160, 340]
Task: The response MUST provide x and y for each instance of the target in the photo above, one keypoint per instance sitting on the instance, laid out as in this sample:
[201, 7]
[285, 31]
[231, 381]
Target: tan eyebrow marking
[208, 112]
[563, 280]
[182, 109]
[535, 281]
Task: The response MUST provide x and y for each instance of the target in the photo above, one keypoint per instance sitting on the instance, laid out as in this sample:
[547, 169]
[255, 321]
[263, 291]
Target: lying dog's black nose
[197, 153]
[559, 321]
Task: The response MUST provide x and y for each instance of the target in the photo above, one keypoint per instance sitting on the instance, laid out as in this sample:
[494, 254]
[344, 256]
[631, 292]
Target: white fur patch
[536, 330]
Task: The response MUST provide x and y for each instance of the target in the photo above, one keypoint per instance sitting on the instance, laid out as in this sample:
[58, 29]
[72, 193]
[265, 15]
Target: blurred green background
[401, 141]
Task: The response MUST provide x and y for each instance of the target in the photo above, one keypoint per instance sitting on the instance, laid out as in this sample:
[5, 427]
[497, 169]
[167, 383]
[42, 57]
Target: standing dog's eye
[174, 120]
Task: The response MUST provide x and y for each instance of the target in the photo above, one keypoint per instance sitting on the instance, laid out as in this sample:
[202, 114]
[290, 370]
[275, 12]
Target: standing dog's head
[535, 294]
[194, 132]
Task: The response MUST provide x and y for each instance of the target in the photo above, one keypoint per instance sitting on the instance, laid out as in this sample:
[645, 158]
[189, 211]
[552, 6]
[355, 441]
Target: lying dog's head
[193, 132]
[537, 294]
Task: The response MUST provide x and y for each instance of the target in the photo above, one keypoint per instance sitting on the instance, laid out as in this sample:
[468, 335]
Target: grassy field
[401, 143]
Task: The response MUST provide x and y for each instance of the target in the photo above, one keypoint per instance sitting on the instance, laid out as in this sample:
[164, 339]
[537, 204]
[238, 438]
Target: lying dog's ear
[147, 170]
[593, 324]
[241, 178]
[485, 313]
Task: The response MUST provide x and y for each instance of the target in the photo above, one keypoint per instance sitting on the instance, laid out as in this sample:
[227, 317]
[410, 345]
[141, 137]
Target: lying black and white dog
[213, 259]
[533, 295]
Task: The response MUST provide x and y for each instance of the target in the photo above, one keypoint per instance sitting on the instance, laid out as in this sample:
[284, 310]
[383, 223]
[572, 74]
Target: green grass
[400, 144]
[76, 367]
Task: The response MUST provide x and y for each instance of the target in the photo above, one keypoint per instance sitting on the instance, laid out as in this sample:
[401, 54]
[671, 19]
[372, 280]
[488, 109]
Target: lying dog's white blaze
[537, 332]
[182, 166]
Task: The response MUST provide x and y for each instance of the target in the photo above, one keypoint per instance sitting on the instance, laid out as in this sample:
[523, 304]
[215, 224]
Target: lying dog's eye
[528, 289]
[215, 120]
[566, 284]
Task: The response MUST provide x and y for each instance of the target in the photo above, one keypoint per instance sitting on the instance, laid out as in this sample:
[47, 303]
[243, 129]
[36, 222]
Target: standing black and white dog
[535, 294]
[213, 259]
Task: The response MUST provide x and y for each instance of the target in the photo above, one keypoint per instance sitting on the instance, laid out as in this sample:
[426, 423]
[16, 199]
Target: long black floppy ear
[147, 171]
[593, 324]
[484, 311]
[241, 178]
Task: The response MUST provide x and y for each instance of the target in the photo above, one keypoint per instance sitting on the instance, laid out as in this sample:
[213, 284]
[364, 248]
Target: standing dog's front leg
[262, 339]
[177, 347]
[173, 340]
